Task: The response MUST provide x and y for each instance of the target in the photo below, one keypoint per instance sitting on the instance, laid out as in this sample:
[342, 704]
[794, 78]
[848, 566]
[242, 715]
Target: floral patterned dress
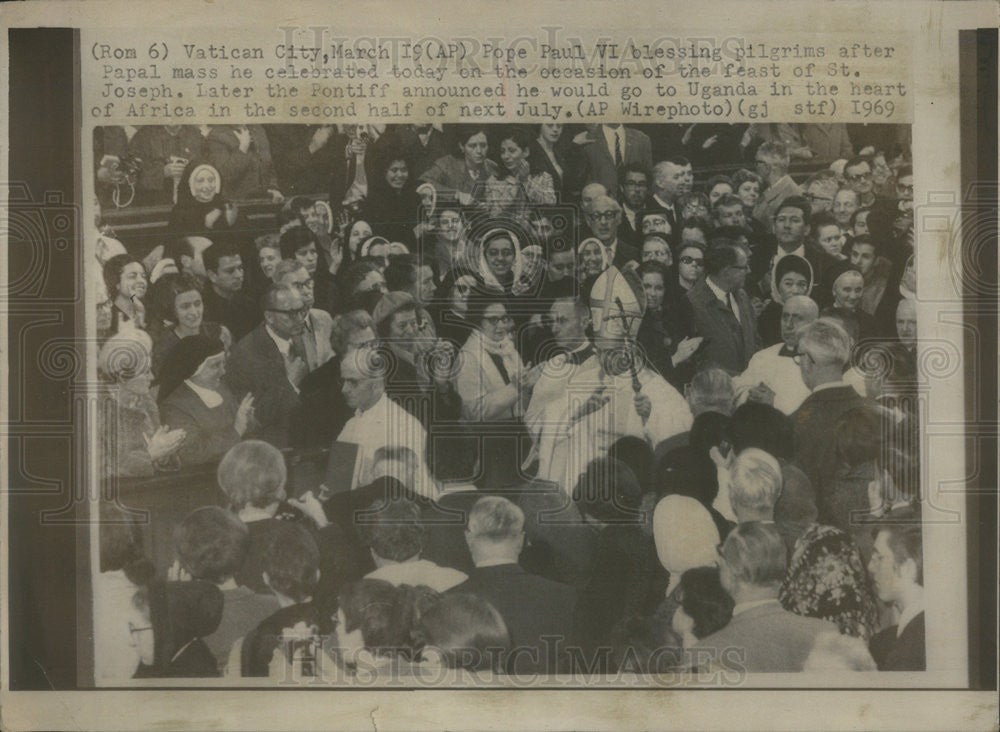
[514, 196]
[826, 579]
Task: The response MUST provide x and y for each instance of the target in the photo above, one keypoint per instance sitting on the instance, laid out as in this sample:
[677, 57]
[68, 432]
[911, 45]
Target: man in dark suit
[538, 612]
[604, 219]
[723, 314]
[633, 189]
[671, 178]
[762, 637]
[612, 147]
[268, 364]
[823, 351]
[225, 299]
[897, 570]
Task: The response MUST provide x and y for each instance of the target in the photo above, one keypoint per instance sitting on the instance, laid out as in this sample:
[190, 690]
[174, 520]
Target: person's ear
[907, 571]
[267, 580]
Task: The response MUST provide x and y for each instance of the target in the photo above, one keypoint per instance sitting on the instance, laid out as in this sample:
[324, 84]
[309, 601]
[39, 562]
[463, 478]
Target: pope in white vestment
[571, 435]
[600, 406]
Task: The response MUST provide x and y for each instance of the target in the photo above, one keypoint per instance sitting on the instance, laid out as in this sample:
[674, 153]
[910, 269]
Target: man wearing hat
[623, 398]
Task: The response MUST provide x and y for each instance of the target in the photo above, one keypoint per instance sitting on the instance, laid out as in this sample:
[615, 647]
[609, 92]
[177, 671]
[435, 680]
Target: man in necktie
[268, 363]
[671, 178]
[313, 343]
[723, 314]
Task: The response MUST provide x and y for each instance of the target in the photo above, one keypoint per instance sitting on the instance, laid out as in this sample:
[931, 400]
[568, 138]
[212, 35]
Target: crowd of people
[613, 399]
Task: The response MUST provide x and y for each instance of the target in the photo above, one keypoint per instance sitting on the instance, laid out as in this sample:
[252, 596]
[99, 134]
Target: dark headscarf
[183, 361]
[797, 264]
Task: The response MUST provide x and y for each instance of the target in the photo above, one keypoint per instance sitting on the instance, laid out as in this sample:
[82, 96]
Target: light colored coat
[762, 639]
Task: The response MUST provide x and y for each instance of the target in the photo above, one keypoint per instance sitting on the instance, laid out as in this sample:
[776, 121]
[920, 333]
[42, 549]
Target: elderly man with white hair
[824, 349]
[773, 376]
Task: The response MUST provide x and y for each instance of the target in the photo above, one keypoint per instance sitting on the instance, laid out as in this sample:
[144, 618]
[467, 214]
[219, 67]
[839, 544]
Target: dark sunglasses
[692, 260]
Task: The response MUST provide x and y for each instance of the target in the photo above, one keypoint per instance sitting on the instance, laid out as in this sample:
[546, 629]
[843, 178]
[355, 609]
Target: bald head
[906, 322]
[590, 193]
[671, 178]
[604, 217]
[797, 311]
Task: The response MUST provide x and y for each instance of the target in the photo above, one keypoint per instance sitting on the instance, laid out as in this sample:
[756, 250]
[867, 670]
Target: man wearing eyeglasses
[820, 189]
[824, 349]
[772, 161]
[314, 341]
[858, 174]
[604, 219]
[268, 363]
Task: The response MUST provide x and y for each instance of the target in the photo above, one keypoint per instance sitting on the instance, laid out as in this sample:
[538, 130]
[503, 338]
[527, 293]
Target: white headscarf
[198, 169]
[489, 279]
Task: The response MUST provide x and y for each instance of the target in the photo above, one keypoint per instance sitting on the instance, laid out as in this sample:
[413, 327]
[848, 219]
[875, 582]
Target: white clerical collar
[494, 562]
[830, 385]
[209, 397]
[283, 344]
[909, 613]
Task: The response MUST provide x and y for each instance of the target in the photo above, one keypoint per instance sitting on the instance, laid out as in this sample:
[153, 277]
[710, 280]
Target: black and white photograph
[595, 410]
[380, 369]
